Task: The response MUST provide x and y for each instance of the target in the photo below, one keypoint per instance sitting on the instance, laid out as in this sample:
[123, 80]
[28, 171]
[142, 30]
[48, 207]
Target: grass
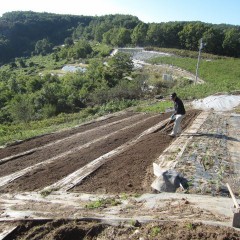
[155, 231]
[40, 64]
[47, 192]
[124, 196]
[207, 162]
[185, 53]
[103, 203]
[156, 107]
[189, 226]
[220, 75]
[21, 131]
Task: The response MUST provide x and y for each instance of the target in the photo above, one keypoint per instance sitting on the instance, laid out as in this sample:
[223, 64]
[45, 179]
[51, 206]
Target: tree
[155, 35]
[170, 34]
[94, 74]
[6, 51]
[21, 62]
[48, 111]
[99, 30]
[122, 37]
[34, 84]
[68, 41]
[213, 39]
[190, 35]
[120, 65]
[77, 34]
[21, 108]
[5, 95]
[17, 85]
[139, 34]
[43, 47]
[107, 37]
[231, 42]
[80, 50]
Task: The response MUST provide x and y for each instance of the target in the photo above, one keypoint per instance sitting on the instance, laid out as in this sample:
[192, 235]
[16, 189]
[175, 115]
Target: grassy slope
[220, 75]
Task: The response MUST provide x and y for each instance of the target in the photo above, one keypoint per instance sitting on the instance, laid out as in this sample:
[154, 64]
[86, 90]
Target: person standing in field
[179, 113]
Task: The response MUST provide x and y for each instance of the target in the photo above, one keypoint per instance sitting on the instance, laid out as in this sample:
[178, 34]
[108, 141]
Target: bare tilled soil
[63, 229]
[115, 155]
[131, 171]
[124, 172]
[39, 141]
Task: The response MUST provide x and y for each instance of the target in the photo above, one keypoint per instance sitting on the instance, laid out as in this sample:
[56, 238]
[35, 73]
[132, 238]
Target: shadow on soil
[218, 136]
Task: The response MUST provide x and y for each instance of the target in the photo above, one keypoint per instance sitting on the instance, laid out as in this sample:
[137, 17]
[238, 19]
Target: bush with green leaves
[21, 108]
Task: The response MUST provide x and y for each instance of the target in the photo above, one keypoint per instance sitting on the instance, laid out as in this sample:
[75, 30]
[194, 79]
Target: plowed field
[111, 156]
[40, 162]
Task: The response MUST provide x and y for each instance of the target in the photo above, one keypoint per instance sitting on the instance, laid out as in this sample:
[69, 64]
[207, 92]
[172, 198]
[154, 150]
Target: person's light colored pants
[177, 124]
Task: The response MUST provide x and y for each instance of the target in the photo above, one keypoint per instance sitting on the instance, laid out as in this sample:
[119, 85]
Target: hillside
[101, 175]
[27, 33]
[118, 176]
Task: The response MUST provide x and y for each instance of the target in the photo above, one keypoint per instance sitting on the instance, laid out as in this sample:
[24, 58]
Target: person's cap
[173, 95]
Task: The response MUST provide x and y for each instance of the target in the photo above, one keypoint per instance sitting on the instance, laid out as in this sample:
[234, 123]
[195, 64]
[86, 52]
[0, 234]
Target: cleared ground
[63, 153]
[94, 181]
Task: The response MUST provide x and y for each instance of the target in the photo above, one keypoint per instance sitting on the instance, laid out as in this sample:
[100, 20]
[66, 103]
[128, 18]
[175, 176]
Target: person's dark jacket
[178, 106]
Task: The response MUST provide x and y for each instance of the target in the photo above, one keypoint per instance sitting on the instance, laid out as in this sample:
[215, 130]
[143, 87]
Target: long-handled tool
[236, 213]
[172, 119]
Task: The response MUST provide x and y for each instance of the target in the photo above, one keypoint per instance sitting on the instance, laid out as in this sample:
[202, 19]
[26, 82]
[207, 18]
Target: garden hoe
[172, 119]
[236, 211]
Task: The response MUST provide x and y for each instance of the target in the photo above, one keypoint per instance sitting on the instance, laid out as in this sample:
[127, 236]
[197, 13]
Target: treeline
[21, 31]
[218, 39]
[26, 33]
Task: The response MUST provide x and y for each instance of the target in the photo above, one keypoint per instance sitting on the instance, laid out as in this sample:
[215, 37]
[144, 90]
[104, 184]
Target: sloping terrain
[94, 181]
[58, 156]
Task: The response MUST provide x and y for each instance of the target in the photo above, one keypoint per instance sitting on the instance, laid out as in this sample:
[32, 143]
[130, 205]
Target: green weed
[100, 203]
[156, 107]
[155, 231]
[124, 196]
[189, 226]
[136, 195]
[47, 192]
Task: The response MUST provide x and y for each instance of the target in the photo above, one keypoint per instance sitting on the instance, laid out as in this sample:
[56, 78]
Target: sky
[148, 11]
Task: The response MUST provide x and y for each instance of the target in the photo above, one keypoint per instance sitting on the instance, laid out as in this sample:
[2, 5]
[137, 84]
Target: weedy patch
[103, 203]
[47, 192]
[207, 162]
[155, 231]
[190, 183]
[136, 195]
[124, 196]
[189, 226]
[134, 223]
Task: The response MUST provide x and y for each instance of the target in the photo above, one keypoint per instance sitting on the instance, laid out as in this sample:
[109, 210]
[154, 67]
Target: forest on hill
[27, 33]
